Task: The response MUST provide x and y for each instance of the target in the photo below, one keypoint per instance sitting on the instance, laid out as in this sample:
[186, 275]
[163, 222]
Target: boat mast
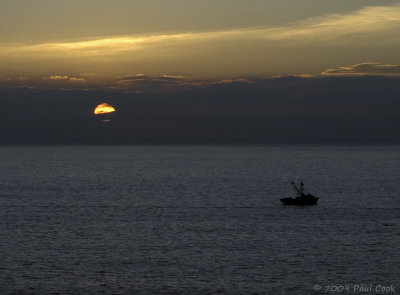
[299, 191]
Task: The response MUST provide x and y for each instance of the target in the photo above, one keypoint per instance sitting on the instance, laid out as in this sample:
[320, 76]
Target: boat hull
[300, 201]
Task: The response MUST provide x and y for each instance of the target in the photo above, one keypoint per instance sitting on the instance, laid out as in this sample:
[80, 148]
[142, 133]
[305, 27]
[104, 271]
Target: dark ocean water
[198, 220]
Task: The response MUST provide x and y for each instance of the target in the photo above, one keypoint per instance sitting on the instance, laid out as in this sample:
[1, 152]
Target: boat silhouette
[302, 198]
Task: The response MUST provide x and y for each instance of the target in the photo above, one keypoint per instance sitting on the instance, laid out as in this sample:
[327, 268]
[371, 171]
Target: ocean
[195, 219]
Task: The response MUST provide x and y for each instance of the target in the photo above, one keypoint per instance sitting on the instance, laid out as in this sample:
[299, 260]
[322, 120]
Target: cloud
[76, 79]
[364, 69]
[58, 78]
[366, 21]
[173, 76]
[131, 83]
[230, 81]
[66, 78]
[167, 83]
[127, 83]
[134, 76]
[337, 27]
[141, 83]
[306, 46]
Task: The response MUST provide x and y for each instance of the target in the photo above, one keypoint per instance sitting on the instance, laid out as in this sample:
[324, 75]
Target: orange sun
[103, 108]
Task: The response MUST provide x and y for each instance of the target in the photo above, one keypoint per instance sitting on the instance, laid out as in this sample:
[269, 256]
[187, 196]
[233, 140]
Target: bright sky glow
[330, 36]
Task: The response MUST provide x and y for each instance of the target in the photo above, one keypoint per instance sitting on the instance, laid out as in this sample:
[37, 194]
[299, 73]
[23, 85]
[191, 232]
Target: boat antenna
[299, 191]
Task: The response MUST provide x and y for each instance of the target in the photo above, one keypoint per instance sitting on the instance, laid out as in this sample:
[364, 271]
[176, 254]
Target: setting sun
[104, 108]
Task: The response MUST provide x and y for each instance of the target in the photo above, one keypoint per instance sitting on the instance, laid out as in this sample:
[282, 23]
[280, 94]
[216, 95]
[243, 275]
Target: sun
[104, 108]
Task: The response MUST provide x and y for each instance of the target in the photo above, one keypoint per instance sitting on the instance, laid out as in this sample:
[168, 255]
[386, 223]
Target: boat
[302, 198]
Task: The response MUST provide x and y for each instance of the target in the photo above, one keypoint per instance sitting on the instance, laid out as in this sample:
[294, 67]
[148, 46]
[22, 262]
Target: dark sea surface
[198, 220]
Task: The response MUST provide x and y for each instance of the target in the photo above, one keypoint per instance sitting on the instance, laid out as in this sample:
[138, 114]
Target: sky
[194, 57]
[202, 39]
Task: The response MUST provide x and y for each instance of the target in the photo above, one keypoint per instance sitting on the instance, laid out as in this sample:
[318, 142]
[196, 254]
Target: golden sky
[77, 42]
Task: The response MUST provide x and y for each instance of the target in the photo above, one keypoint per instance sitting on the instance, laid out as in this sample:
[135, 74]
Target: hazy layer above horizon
[285, 110]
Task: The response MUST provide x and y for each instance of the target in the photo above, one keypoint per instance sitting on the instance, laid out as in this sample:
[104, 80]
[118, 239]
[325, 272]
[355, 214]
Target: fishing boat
[302, 198]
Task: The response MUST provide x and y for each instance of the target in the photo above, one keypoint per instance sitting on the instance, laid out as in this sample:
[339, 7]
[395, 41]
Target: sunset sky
[200, 39]
[156, 46]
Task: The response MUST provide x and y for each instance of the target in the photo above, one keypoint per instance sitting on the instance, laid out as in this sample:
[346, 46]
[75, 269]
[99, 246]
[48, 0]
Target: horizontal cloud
[66, 78]
[231, 81]
[133, 83]
[336, 27]
[58, 78]
[141, 83]
[75, 79]
[363, 21]
[364, 69]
